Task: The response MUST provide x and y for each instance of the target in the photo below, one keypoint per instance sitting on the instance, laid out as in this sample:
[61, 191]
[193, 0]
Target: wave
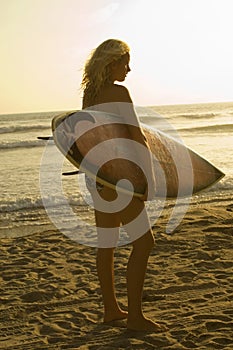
[209, 128]
[20, 204]
[165, 126]
[22, 128]
[194, 115]
[222, 188]
[224, 128]
[22, 144]
[38, 203]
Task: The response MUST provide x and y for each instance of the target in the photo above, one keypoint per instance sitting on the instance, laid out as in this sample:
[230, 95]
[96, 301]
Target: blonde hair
[97, 71]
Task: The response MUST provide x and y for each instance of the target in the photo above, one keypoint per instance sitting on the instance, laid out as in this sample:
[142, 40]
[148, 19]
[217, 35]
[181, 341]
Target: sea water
[205, 128]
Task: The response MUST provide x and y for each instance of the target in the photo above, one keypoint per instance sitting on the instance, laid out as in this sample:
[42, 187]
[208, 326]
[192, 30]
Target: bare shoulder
[114, 93]
[121, 93]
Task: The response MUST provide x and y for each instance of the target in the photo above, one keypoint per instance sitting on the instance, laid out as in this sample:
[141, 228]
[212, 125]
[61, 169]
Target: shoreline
[50, 295]
[29, 221]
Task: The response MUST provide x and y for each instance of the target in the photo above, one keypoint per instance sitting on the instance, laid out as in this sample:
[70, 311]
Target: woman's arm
[128, 112]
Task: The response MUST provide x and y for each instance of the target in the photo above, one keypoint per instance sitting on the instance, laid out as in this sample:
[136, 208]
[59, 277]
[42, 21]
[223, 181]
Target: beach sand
[50, 296]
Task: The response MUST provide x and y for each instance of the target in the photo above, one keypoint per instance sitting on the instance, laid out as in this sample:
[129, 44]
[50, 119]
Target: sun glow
[181, 50]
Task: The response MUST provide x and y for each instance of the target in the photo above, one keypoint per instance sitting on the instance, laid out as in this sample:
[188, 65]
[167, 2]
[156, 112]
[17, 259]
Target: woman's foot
[144, 324]
[114, 316]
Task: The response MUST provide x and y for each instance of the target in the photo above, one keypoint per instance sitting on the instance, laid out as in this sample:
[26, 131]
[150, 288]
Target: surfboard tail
[205, 173]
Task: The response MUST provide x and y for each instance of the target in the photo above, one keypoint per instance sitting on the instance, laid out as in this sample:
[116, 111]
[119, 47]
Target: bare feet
[117, 315]
[144, 324]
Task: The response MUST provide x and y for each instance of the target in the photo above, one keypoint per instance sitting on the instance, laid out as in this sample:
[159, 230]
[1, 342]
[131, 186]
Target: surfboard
[100, 145]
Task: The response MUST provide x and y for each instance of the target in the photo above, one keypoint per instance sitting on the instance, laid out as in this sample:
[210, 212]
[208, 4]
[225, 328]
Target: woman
[109, 63]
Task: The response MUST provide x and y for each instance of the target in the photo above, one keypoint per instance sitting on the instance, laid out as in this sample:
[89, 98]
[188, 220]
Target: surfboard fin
[45, 138]
[69, 173]
[76, 172]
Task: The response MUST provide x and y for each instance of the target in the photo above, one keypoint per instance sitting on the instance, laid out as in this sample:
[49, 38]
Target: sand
[50, 296]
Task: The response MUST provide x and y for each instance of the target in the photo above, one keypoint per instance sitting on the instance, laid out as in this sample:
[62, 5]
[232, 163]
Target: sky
[181, 50]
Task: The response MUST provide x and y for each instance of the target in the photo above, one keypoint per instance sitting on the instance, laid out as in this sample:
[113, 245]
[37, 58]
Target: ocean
[205, 128]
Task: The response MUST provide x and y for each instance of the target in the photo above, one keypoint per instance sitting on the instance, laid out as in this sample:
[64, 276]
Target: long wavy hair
[97, 68]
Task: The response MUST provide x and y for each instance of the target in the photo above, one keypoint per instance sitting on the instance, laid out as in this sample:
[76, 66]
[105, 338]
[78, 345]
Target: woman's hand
[143, 198]
[147, 196]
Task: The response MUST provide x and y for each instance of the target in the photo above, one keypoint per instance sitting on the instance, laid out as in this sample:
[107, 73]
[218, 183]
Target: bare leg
[105, 259]
[105, 270]
[135, 279]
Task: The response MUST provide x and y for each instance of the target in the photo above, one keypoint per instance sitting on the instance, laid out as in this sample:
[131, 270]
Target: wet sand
[50, 296]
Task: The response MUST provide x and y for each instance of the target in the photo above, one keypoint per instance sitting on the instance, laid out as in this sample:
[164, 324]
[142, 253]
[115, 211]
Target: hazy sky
[181, 50]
